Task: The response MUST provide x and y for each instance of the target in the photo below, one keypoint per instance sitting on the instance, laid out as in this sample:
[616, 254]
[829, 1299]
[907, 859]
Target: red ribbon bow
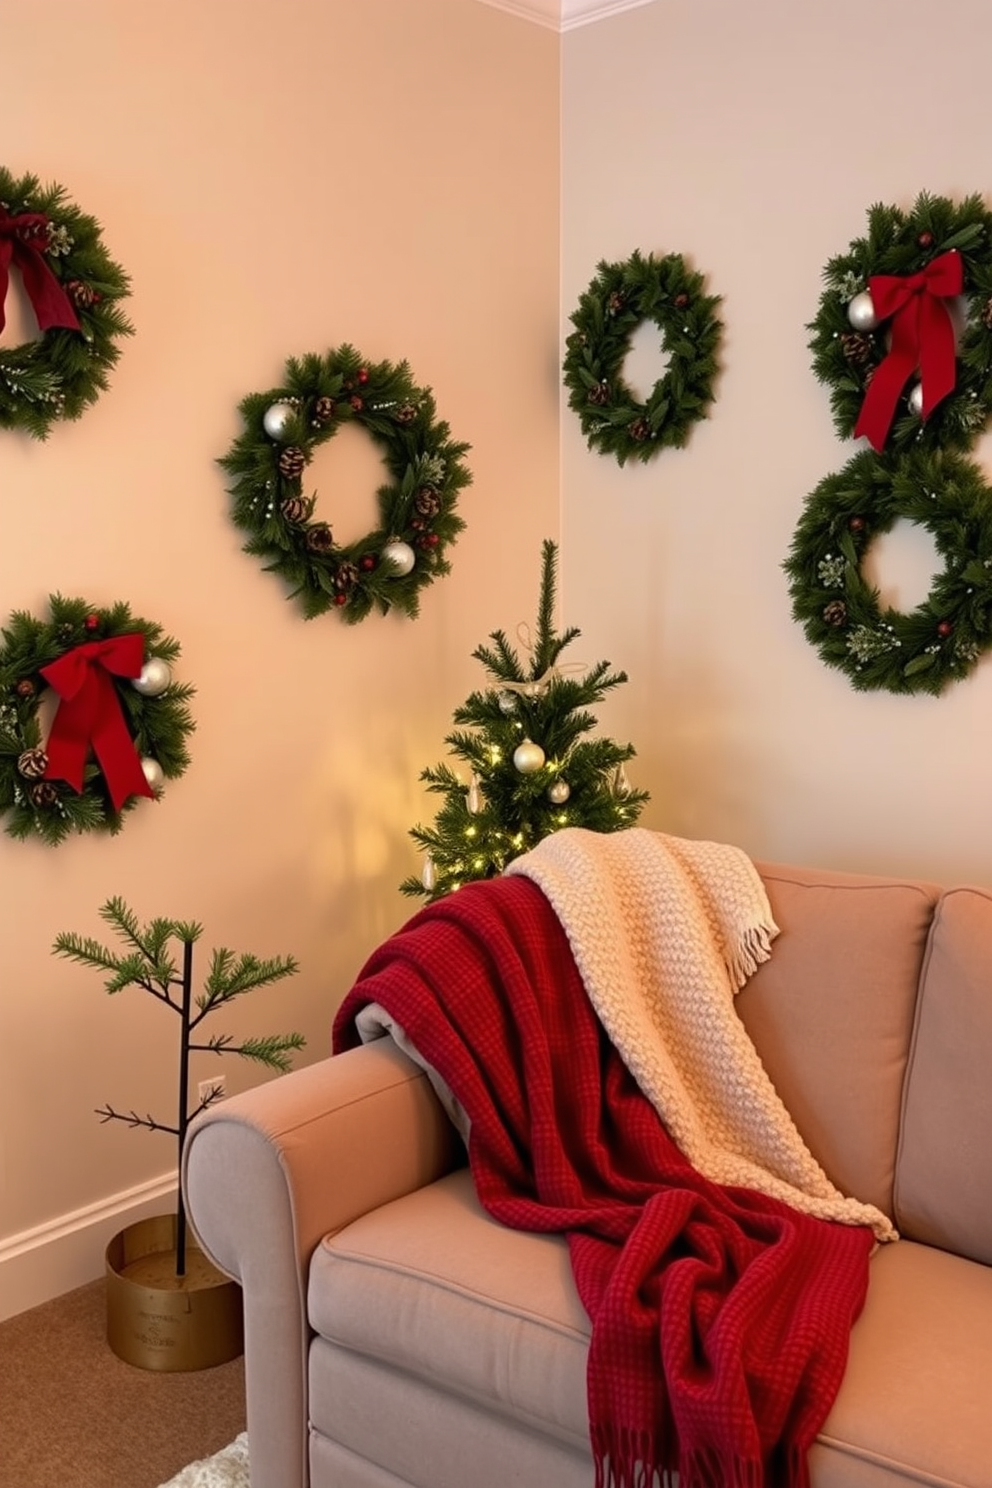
[922, 336]
[23, 240]
[89, 713]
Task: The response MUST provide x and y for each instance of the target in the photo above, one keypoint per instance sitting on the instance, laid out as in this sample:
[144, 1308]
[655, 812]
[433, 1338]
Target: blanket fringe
[752, 946]
[625, 1458]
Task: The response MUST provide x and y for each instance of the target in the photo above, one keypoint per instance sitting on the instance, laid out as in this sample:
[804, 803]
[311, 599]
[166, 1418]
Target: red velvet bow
[23, 239]
[89, 713]
[922, 336]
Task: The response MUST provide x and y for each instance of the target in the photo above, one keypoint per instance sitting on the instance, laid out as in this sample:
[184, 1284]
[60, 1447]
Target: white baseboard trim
[68, 1251]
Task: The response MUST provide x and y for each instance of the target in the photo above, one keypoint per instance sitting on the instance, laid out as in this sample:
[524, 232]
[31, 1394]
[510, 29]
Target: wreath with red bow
[91, 719]
[74, 289]
[903, 333]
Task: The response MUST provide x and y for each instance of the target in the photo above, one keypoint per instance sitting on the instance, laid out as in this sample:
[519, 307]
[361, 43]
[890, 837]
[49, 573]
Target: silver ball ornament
[528, 757]
[153, 773]
[861, 312]
[915, 400]
[559, 792]
[277, 418]
[507, 703]
[399, 557]
[154, 679]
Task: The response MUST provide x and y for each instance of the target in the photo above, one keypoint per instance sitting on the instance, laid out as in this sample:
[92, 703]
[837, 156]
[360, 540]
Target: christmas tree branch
[132, 1119]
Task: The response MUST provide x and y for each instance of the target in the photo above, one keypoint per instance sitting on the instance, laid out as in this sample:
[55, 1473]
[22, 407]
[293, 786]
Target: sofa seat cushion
[431, 1285]
[916, 1401]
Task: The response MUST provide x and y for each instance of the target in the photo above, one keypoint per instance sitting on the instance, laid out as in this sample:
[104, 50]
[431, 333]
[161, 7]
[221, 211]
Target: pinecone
[640, 429]
[345, 577]
[357, 403]
[32, 764]
[323, 410]
[599, 394]
[680, 301]
[405, 414]
[25, 688]
[291, 461]
[835, 613]
[42, 793]
[319, 538]
[295, 509]
[82, 295]
[987, 315]
[857, 347]
[615, 303]
[427, 503]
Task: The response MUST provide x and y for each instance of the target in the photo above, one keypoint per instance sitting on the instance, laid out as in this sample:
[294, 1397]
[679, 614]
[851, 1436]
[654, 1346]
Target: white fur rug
[225, 1469]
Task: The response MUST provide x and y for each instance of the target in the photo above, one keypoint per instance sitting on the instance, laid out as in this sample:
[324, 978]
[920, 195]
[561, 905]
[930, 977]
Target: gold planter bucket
[158, 1320]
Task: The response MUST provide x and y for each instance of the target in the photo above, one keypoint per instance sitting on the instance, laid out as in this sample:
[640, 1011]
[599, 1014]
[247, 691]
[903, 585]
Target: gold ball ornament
[861, 312]
[153, 773]
[277, 418]
[154, 679]
[528, 757]
[399, 557]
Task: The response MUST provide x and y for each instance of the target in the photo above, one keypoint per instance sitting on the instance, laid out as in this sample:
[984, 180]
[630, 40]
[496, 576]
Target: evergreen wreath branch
[845, 358]
[620, 297]
[59, 375]
[418, 519]
[159, 726]
[876, 646]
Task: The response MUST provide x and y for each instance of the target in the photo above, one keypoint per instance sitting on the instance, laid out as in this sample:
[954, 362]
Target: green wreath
[111, 672]
[74, 288]
[942, 639]
[618, 300]
[849, 345]
[418, 519]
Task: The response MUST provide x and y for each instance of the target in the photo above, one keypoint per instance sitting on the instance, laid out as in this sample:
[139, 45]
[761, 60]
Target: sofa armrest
[267, 1174]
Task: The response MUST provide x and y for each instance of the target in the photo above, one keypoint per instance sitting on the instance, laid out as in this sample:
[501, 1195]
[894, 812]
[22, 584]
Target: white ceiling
[565, 15]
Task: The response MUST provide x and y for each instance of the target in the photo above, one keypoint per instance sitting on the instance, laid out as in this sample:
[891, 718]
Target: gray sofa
[397, 1337]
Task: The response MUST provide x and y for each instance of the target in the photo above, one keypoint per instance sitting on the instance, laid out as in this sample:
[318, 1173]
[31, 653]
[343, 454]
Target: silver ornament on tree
[528, 757]
[559, 792]
[428, 874]
[507, 703]
[153, 773]
[861, 312]
[277, 418]
[473, 799]
[915, 400]
[154, 678]
[399, 557]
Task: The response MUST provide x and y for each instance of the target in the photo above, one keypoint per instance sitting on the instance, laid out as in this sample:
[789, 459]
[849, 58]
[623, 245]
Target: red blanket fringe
[720, 1317]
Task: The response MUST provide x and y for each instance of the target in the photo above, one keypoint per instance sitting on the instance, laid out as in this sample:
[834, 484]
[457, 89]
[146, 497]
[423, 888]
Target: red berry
[925, 240]
[356, 403]
[340, 599]
[944, 629]
[363, 375]
[367, 562]
[25, 688]
[91, 622]
[681, 300]
[856, 524]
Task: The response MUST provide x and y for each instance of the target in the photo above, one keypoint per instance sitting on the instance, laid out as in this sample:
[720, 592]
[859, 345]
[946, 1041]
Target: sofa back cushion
[831, 1014]
[943, 1191]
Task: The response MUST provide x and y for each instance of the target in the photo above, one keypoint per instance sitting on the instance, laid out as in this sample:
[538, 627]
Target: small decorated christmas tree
[531, 770]
[147, 961]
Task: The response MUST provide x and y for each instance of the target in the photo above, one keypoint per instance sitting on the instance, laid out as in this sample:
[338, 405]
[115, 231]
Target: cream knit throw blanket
[665, 932]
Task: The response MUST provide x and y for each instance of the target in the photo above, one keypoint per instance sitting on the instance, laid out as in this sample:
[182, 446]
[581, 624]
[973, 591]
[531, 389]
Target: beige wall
[276, 182]
[753, 138]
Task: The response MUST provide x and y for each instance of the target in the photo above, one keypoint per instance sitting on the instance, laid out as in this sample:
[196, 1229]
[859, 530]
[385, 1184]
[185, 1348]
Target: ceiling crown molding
[565, 15]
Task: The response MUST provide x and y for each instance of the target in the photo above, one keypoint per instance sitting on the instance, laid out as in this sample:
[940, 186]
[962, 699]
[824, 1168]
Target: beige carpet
[73, 1415]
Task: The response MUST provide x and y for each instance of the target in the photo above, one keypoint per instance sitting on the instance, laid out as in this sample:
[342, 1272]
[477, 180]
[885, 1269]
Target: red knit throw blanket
[720, 1318]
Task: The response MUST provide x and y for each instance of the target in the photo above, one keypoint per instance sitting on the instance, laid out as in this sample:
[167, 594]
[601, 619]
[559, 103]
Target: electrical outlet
[213, 1089]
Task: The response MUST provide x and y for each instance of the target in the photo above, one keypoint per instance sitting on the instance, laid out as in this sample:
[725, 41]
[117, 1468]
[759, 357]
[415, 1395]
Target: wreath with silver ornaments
[903, 333]
[74, 288]
[620, 298]
[92, 718]
[388, 567]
